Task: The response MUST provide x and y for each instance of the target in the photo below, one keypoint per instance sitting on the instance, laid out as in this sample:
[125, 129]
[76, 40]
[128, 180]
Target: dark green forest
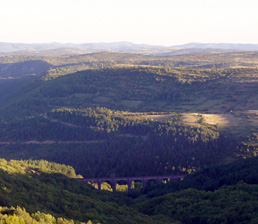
[36, 186]
[107, 114]
[101, 142]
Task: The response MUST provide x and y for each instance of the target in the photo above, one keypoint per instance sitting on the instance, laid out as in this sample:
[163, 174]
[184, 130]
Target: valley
[121, 114]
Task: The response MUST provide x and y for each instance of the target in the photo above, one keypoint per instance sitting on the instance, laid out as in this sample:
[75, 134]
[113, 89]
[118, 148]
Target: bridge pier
[99, 185]
[114, 187]
[144, 179]
[159, 181]
[144, 182]
[129, 184]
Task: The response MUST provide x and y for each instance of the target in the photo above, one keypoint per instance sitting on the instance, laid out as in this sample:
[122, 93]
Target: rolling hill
[123, 114]
[58, 49]
[148, 108]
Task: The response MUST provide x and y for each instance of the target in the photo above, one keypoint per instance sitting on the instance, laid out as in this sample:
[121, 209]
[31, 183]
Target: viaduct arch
[144, 179]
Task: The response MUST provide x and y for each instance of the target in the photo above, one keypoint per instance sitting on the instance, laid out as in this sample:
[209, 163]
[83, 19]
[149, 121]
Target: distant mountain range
[92, 47]
[56, 49]
[226, 46]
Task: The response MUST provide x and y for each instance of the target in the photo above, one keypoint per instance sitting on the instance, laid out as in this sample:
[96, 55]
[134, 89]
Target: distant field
[239, 123]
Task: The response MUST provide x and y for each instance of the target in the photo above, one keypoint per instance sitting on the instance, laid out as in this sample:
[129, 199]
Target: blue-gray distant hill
[229, 46]
[77, 48]
[61, 49]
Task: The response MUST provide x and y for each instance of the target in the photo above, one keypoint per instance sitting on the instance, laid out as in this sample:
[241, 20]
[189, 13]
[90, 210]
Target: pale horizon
[103, 42]
[152, 22]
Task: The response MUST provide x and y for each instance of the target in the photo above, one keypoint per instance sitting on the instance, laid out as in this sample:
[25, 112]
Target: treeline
[11, 215]
[229, 204]
[54, 198]
[212, 178]
[36, 166]
[219, 194]
[130, 88]
[102, 142]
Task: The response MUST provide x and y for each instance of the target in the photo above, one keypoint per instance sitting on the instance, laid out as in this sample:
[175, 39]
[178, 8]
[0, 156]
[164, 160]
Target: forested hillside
[82, 119]
[220, 194]
[119, 115]
[43, 195]
[40, 187]
[94, 140]
[212, 178]
[138, 89]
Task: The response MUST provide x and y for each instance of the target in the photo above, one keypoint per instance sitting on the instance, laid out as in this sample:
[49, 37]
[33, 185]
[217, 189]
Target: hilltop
[59, 49]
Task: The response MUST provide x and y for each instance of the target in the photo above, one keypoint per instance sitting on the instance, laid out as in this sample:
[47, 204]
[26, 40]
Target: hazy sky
[163, 22]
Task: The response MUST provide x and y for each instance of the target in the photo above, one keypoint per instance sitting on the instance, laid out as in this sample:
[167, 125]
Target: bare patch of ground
[223, 120]
[238, 122]
[190, 118]
[230, 120]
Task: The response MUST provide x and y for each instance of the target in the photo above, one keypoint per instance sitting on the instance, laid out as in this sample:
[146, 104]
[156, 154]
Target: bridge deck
[103, 179]
[144, 179]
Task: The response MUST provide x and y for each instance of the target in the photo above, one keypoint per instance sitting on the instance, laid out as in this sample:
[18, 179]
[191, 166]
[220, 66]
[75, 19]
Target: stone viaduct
[128, 180]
